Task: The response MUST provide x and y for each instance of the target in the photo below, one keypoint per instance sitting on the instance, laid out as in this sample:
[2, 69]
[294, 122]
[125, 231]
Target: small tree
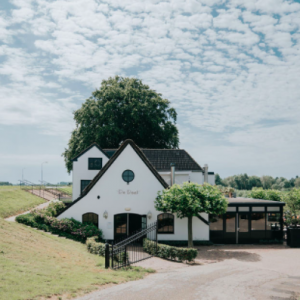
[189, 200]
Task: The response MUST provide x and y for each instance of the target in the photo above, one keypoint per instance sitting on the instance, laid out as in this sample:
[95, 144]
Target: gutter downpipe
[172, 174]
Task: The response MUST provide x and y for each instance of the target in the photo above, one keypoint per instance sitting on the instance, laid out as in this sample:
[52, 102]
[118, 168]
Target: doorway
[127, 224]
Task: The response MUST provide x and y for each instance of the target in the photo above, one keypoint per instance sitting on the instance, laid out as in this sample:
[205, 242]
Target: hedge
[45, 220]
[169, 252]
[185, 243]
[98, 248]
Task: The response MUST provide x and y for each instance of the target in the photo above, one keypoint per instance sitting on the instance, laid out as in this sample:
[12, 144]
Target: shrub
[260, 193]
[98, 248]
[44, 219]
[95, 247]
[185, 243]
[169, 252]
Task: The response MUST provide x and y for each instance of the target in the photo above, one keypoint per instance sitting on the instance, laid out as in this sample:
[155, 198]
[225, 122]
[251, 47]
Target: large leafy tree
[189, 200]
[123, 108]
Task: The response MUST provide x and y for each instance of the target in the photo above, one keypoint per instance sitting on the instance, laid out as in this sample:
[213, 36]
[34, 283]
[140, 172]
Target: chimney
[172, 173]
[206, 173]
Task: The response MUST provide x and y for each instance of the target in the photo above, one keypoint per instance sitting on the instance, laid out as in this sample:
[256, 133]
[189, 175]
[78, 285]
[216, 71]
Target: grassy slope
[67, 189]
[13, 200]
[35, 264]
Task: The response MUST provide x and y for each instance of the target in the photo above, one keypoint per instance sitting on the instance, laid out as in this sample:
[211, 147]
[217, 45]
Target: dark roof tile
[161, 159]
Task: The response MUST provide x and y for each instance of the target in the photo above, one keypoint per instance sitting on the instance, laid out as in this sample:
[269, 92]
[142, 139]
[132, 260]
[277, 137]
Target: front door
[120, 226]
[230, 232]
[243, 228]
[127, 224]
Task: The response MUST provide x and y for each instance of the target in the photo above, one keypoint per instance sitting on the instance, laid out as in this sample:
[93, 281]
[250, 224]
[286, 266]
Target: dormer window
[95, 163]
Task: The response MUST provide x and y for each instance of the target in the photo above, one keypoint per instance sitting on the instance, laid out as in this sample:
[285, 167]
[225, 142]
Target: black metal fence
[130, 250]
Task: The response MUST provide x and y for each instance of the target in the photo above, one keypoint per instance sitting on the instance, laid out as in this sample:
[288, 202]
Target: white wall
[211, 179]
[183, 176]
[116, 197]
[81, 170]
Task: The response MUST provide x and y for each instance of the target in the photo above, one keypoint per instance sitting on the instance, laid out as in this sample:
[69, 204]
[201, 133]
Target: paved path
[41, 206]
[233, 273]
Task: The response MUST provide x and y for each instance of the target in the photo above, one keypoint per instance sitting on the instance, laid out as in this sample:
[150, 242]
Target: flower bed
[169, 252]
[45, 219]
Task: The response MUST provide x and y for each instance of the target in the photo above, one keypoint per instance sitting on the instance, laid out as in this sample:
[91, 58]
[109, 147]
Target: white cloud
[227, 74]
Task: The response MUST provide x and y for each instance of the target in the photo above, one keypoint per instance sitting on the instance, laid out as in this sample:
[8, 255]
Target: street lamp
[45, 162]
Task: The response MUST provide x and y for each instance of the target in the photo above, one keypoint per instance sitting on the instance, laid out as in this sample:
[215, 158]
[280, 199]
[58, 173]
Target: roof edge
[87, 149]
[110, 162]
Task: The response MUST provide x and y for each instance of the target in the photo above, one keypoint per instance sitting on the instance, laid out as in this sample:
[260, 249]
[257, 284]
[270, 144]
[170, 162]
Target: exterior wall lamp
[105, 214]
[149, 214]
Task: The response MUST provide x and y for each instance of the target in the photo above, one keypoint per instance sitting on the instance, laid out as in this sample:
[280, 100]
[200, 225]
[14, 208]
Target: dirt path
[43, 194]
[41, 206]
[221, 273]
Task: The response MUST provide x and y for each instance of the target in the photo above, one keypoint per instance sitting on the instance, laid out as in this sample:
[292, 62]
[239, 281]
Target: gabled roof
[111, 161]
[87, 149]
[161, 159]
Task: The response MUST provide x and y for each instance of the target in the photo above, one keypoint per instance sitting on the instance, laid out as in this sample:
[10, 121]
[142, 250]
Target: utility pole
[45, 162]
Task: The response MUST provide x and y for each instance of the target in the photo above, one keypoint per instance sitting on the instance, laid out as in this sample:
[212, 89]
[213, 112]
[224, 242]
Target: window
[230, 222]
[216, 222]
[128, 176]
[84, 184]
[95, 163]
[258, 221]
[165, 223]
[273, 221]
[90, 218]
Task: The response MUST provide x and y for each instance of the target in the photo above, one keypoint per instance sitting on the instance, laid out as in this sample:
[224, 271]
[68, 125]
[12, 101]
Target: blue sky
[230, 68]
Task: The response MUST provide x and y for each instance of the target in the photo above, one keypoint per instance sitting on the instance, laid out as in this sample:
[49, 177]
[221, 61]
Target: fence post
[106, 255]
[125, 257]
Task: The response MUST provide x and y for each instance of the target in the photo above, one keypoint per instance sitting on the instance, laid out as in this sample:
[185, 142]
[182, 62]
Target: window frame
[90, 213]
[93, 169]
[81, 181]
[169, 232]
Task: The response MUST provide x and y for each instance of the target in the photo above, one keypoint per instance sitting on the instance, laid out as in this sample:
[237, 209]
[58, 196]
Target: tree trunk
[190, 232]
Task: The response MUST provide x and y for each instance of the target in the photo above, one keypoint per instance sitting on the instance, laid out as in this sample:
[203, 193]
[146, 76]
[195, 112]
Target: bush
[45, 219]
[95, 247]
[98, 248]
[260, 193]
[169, 252]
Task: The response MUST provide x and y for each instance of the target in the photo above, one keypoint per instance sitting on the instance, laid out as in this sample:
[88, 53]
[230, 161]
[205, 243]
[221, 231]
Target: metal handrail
[136, 236]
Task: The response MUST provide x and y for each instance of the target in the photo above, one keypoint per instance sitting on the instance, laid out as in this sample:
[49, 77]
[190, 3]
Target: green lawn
[35, 264]
[13, 200]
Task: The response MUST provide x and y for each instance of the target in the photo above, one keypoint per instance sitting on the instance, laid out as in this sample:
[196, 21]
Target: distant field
[34, 264]
[67, 189]
[13, 200]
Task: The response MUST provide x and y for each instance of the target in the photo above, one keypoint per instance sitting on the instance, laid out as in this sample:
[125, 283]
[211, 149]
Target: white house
[116, 189]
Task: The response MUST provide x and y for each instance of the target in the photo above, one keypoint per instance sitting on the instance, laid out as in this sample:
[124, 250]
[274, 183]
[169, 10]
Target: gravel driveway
[221, 272]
